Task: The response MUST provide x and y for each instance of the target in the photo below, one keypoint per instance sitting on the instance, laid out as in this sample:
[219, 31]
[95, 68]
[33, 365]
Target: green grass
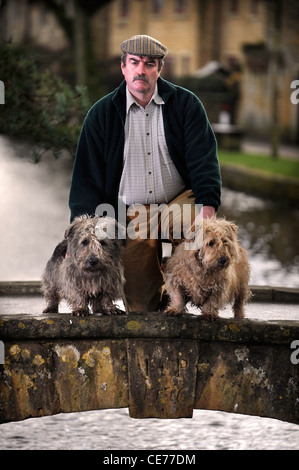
[281, 166]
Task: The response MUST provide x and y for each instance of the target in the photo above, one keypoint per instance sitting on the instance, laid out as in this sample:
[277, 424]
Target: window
[254, 7]
[157, 6]
[180, 6]
[186, 63]
[124, 8]
[234, 6]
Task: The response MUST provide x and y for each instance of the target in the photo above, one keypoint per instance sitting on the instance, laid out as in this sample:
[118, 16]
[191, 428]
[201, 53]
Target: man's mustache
[140, 77]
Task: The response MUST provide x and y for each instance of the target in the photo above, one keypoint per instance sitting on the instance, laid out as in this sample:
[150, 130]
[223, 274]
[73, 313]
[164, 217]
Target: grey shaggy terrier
[86, 269]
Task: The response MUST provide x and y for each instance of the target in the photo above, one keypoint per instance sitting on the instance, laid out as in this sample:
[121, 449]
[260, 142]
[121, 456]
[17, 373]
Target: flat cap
[143, 45]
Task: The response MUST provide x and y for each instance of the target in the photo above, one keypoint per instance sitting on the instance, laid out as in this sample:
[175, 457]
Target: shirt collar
[156, 98]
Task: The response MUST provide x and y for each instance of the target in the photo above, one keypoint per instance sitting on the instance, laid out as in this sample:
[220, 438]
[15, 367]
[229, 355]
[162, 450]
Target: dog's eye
[211, 243]
[85, 242]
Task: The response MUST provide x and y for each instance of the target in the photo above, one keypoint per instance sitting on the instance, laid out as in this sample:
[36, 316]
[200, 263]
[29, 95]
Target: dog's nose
[222, 260]
[92, 261]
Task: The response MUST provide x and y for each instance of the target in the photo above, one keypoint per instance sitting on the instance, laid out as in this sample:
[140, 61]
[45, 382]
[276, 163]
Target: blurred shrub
[40, 108]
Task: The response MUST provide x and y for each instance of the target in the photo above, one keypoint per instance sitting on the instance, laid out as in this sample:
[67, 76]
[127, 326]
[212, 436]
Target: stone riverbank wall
[275, 187]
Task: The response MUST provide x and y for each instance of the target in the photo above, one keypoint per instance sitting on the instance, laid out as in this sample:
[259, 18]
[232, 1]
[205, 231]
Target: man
[147, 143]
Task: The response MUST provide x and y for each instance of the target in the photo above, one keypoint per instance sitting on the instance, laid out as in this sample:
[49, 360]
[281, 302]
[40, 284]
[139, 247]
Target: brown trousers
[143, 255]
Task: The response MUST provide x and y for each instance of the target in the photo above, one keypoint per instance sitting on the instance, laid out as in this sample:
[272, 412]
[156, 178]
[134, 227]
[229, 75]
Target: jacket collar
[165, 89]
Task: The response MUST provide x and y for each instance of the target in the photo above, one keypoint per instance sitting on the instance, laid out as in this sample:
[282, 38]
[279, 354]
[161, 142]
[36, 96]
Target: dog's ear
[233, 227]
[232, 230]
[70, 231]
[60, 251]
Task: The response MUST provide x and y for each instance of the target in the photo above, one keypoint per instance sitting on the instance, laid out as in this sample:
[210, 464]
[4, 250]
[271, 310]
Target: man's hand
[207, 212]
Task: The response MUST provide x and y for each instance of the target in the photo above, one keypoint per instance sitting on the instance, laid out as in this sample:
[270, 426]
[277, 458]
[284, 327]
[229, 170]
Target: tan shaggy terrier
[86, 269]
[211, 276]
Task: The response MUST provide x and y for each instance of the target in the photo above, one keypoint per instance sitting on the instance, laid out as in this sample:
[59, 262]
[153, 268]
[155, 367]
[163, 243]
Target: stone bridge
[157, 366]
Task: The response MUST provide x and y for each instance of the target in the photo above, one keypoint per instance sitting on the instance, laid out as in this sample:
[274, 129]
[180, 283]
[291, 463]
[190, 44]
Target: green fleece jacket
[99, 159]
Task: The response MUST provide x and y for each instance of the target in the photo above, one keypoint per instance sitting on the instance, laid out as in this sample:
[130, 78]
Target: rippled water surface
[115, 430]
[270, 234]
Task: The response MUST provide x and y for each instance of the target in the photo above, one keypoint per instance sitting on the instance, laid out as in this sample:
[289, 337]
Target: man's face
[141, 74]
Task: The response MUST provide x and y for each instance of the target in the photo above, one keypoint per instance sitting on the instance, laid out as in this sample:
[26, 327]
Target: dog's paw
[170, 312]
[113, 311]
[118, 311]
[50, 309]
[239, 313]
[80, 312]
[210, 316]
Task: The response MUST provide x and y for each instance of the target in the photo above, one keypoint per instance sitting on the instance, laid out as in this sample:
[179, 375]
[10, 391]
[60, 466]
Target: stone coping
[153, 325]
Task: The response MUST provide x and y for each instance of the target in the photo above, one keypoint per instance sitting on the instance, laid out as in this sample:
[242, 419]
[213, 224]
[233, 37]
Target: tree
[40, 108]
[74, 22]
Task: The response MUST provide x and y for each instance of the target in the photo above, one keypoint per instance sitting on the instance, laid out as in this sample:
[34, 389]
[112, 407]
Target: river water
[34, 205]
[34, 213]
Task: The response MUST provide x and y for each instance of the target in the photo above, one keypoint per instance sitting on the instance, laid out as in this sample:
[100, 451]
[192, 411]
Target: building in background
[255, 41]
[195, 31]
